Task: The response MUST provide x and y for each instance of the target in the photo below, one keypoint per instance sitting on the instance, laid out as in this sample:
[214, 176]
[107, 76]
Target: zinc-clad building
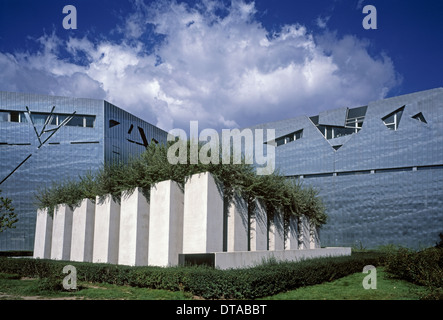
[48, 138]
[378, 168]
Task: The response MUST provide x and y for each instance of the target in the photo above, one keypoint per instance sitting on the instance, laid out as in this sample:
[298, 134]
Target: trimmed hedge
[250, 283]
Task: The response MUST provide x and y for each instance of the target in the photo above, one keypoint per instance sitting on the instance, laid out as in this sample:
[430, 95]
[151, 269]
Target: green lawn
[351, 288]
[347, 288]
[12, 288]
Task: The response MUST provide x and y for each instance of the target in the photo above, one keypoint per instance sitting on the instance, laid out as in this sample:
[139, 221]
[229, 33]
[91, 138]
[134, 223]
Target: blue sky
[226, 64]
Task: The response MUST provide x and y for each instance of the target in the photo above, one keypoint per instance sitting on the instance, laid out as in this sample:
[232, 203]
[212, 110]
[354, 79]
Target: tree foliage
[8, 217]
[152, 166]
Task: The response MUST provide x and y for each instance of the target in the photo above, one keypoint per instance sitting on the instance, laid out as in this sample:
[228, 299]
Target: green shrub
[9, 276]
[249, 283]
[50, 284]
[420, 267]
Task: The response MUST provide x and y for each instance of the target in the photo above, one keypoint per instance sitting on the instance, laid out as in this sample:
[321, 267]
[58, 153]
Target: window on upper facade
[353, 124]
[113, 123]
[392, 120]
[355, 118]
[39, 118]
[4, 116]
[76, 121]
[419, 116]
[89, 121]
[289, 137]
[15, 116]
[58, 119]
[12, 116]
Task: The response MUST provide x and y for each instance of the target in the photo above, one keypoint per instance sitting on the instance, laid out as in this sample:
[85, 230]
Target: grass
[14, 288]
[351, 288]
[347, 288]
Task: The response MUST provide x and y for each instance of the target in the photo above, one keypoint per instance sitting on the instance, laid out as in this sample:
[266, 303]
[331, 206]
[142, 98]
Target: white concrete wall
[314, 239]
[141, 233]
[43, 234]
[61, 233]
[203, 215]
[237, 234]
[82, 241]
[227, 260]
[166, 221]
[291, 230]
[304, 233]
[276, 233]
[134, 229]
[258, 228]
[106, 231]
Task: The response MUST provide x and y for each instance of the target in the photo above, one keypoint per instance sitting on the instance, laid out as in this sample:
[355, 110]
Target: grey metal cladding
[336, 117]
[71, 151]
[122, 140]
[374, 184]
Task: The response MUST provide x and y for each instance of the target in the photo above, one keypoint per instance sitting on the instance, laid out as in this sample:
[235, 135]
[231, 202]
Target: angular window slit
[113, 123]
[387, 170]
[84, 142]
[318, 175]
[293, 136]
[337, 147]
[419, 116]
[392, 120]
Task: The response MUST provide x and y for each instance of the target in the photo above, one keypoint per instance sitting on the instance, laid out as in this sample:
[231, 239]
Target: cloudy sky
[224, 63]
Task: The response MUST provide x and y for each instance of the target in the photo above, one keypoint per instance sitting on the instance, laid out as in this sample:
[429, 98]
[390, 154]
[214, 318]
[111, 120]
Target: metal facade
[382, 184]
[49, 138]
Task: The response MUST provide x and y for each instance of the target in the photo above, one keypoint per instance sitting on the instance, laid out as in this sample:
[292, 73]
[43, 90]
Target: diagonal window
[289, 137]
[113, 123]
[419, 116]
[392, 120]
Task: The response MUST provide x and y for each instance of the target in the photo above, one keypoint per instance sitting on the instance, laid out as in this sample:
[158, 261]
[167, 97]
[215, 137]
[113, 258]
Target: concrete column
[134, 229]
[291, 234]
[314, 239]
[166, 224]
[304, 233]
[203, 215]
[106, 230]
[258, 228]
[61, 233]
[43, 234]
[237, 234]
[276, 233]
[82, 241]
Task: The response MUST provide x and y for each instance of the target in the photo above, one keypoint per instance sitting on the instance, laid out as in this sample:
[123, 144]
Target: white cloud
[322, 21]
[224, 71]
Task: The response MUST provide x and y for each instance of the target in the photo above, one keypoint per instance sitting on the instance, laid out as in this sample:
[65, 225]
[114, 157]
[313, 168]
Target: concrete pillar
[166, 224]
[134, 229]
[106, 230]
[291, 234]
[203, 215]
[61, 233]
[237, 234]
[258, 228]
[43, 234]
[314, 239]
[82, 241]
[304, 233]
[276, 233]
